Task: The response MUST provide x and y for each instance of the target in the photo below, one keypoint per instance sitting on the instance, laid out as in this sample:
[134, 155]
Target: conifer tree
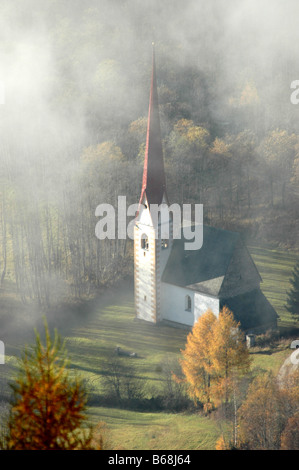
[214, 356]
[293, 295]
[229, 354]
[196, 361]
[47, 407]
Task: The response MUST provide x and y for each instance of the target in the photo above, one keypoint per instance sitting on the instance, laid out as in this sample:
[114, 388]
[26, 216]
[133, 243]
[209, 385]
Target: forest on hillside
[73, 123]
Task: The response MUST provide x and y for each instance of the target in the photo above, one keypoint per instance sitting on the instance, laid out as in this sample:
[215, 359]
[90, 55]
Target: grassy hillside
[154, 431]
[95, 328]
[113, 324]
[275, 268]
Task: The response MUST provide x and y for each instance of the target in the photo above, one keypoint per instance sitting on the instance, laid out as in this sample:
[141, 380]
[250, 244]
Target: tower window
[144, 242]
[164, 244]
[188, 303]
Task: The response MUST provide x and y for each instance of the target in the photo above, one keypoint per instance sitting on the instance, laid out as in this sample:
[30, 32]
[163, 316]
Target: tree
[47, 407]
[196, 360]
[136, 137]
[293, 294]
[214, 357]
[290, 435]
[220, 161]
[260, 414]
[266, 416]
[186, 156]
[231, 361]
[174, 396]
[229, 354]
[120, 380]
[278, 150]
[242, 148]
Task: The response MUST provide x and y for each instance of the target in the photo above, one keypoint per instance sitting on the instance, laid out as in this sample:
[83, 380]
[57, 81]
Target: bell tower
[151, 249]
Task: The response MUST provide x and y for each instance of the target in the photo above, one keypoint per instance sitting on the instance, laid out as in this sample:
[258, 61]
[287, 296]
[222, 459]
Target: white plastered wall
[144, 267]
[173, 304]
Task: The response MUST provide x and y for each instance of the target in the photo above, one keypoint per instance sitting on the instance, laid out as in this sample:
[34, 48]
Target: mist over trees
[76, 77]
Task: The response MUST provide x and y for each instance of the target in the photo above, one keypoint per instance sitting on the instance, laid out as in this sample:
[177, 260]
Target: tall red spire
[153, 182]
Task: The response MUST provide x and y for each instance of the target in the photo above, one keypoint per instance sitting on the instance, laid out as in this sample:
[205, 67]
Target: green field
[102, 324]
[275, 268]
[114, 325]
[158, 431]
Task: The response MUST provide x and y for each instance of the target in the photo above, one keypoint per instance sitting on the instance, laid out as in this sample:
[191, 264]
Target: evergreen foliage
[293, 294]
[47, 406]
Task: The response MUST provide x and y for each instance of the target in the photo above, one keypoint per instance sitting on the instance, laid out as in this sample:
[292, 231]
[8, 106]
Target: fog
[76, 74]
[63, 63]
[74, 92]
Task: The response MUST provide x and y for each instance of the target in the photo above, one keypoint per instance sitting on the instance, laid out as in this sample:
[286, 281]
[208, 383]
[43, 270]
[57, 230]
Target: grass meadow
[94, 328]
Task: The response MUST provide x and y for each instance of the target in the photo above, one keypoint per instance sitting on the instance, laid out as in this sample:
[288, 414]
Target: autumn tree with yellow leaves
[269, 415]
[196, 362]
[215, 355]
[47, 407]
[229, 354]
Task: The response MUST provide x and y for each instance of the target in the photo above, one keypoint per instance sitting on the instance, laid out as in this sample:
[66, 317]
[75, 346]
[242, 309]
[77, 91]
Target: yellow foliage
[195, 135]
[220, 147]
[249, 95]
[47, 407]
[182, 126]
[220, 444]
[290, 436]
[279, 147]
[215, 354]
[229, 351]
[260, 414]
[139, 127]
[196, 362]
[104, 152]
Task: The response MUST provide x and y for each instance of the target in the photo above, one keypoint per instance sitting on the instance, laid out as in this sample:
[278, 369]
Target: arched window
[164, 244]
[188, 303]
[144, 242]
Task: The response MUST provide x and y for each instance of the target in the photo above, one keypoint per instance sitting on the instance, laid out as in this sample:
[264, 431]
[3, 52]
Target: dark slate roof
[204, 269]
[251, 309]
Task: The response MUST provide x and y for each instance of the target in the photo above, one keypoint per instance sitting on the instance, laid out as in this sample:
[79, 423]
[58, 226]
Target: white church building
[177, 285]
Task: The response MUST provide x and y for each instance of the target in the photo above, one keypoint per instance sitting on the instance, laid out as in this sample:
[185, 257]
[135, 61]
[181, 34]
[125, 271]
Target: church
[176, 286]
